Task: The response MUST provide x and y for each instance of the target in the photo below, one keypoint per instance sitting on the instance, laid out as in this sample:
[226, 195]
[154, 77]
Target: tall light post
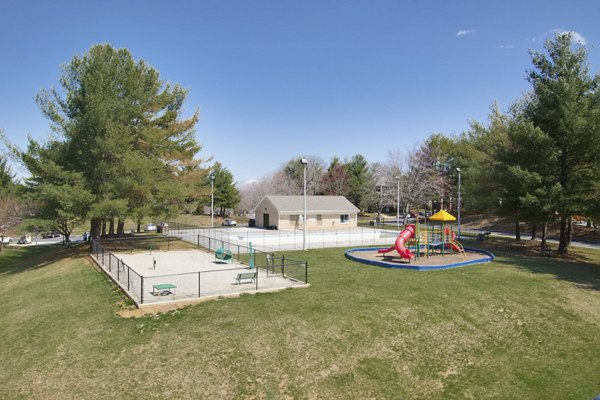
[398, 203]
[304, 162]
[458, 169]
[212, 199]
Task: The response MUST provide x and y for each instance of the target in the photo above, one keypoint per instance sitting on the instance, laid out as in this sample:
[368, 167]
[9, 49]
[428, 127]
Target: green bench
[163, 289]
[251, 276]
[223, 255]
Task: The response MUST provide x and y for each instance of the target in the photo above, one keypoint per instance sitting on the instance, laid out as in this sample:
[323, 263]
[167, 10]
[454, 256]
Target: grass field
[523, 327]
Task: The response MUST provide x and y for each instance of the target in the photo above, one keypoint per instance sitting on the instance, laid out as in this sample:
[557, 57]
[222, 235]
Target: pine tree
[564, 106]
[120, 128]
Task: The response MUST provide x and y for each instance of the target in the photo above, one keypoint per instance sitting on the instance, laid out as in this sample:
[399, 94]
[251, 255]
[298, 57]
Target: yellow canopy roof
[442, 216]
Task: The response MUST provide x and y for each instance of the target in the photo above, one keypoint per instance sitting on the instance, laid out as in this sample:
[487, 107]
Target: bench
[245, 275]
[163, 289]
[224, 255]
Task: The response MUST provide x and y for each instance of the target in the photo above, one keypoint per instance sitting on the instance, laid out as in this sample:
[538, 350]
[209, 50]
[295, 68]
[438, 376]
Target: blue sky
[278, 79]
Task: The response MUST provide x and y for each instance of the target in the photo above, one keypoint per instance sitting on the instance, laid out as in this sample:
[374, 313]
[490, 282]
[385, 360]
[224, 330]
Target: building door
[265, 220]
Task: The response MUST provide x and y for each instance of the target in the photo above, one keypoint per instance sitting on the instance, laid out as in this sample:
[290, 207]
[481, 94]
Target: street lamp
[398, 203]
[212, 199]
[304, 162]
[458, 169]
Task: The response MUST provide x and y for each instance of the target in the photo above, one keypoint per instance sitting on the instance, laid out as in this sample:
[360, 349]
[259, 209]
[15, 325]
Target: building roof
[442, 216]
[314, 204]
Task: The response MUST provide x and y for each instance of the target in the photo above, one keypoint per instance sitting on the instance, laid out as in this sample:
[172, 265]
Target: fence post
[142, 291]
[199, 283]
[110, 263]
[306, 272]
[128, 279]
[118, 270]
[198, 242]
[283, 266]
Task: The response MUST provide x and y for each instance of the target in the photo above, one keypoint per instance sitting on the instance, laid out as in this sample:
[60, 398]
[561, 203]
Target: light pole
[304, 162]
[212, 199]
[458, 169]
[398, 203]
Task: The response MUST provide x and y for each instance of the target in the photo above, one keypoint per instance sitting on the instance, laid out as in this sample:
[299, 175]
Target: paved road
[552, 240]
[41, 241]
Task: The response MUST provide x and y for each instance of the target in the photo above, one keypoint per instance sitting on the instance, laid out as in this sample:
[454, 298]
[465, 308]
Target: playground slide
[400, 245]
[456, 248]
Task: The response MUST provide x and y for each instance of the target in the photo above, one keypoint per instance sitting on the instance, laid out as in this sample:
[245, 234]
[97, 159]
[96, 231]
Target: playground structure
[420, 244]
[438, 238]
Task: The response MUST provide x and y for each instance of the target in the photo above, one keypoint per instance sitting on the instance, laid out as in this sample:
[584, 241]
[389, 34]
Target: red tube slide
[400, 245]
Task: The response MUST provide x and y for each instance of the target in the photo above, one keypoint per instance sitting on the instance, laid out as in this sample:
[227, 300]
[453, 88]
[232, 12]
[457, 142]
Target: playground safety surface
[437, 261]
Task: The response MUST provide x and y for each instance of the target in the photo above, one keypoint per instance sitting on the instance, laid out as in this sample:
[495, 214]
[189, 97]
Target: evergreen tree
[362, 182]
[120, 128]
[564, 106]
[226, 194]
[6, 176]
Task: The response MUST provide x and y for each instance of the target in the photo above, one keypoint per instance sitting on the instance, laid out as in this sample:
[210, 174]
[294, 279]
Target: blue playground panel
[486, 257]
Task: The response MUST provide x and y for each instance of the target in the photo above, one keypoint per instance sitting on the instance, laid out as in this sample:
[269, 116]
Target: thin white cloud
[464, 32]
[506, 46]
[576, 36]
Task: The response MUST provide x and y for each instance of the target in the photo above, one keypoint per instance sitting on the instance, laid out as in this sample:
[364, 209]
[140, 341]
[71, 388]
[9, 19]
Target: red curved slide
[400, 246]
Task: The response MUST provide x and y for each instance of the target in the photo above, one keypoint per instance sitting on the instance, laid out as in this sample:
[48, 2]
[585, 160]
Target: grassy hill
[521, 327]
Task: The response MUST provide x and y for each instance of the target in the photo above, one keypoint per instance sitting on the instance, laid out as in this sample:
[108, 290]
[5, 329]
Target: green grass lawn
[523, 327]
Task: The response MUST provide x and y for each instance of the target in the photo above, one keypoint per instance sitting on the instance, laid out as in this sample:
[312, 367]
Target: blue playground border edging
[490, 257]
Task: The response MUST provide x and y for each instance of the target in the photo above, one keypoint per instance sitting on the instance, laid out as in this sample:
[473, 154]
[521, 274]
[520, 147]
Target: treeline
[419, 179]
[123, 149]
[539, 162]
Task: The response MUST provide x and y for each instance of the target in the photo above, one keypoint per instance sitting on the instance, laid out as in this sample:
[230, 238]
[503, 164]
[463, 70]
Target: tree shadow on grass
[582, 271]
[14, 260]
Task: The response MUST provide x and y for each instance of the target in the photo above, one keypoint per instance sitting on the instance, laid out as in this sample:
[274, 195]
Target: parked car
[51, 234]
[25, 239]
[6, 240]
[150, 228]
[229, 222]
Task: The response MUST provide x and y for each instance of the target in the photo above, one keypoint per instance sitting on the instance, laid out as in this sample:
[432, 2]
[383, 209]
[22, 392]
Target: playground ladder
[461, 249]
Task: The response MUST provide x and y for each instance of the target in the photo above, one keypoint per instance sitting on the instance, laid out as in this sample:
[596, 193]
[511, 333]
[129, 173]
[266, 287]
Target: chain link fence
[274, 240]
[258, 271]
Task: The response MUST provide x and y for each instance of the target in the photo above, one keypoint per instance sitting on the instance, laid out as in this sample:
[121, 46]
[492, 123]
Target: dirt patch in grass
[156, 309]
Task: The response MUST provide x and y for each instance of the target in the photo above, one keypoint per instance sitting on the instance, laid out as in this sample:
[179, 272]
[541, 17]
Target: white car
[6, 240]
[229, 222]
[150, 228]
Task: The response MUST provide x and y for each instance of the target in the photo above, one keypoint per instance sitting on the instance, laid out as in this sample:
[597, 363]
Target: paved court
[194, 273]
